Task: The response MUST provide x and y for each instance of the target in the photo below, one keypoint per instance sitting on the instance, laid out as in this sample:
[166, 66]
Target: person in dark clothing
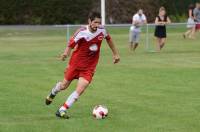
[160, 31]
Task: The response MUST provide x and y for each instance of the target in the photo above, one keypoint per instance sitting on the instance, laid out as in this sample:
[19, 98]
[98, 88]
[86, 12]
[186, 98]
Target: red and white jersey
[87, 47]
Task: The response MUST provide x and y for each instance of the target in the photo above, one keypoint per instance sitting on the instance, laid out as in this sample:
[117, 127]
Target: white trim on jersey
[88, 35]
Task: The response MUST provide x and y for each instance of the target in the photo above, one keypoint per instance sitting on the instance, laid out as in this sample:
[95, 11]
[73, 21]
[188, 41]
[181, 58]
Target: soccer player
[160, 31]
[138, 20]
[86, 43]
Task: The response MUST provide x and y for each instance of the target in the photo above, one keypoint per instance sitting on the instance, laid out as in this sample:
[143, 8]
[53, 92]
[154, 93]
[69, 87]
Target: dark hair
[93, 15]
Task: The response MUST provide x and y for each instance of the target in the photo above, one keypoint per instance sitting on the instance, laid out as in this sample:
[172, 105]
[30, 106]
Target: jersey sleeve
[75, 38]
[106, 34]
[71, 43]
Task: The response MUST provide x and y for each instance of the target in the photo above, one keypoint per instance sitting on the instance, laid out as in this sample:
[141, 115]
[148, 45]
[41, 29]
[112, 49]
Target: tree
[76, 11]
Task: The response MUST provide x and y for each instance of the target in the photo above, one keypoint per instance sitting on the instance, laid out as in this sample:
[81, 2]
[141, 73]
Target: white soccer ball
[100, 112]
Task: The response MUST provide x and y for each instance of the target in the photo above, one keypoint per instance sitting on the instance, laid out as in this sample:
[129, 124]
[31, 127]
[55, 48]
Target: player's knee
[80, 90]
[63, 86]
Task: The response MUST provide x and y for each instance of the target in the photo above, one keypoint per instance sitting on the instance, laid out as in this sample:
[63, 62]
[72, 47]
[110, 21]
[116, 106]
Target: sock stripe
[65, 105]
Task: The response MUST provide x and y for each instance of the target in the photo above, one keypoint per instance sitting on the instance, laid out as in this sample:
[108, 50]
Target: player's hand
[116, 59]
[63, 57]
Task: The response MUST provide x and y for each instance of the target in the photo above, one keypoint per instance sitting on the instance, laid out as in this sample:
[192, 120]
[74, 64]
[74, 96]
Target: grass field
[145, 92]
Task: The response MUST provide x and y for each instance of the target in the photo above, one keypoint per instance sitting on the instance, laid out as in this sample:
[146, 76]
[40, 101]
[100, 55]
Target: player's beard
[93, 29]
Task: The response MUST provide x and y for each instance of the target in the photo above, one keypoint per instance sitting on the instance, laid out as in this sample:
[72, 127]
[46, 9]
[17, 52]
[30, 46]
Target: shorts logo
[93, 47]
[100, 38]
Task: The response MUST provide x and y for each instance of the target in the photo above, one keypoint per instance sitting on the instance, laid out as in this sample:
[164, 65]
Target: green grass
[145, 92]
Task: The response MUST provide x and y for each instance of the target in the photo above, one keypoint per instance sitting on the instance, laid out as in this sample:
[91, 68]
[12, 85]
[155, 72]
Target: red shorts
[198, 26]
[72, 73]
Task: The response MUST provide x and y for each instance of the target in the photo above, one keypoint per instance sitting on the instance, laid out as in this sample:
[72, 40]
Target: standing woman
[190, 33]
[160, 31]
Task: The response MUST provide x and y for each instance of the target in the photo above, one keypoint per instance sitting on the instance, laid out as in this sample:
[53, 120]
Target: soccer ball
[100, 112]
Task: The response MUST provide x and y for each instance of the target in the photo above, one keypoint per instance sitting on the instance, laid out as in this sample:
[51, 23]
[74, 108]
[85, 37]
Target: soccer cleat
[49, 99]
[62, 114]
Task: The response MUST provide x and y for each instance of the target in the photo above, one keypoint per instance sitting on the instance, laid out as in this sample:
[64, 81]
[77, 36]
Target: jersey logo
[100, 37]
[93, 47]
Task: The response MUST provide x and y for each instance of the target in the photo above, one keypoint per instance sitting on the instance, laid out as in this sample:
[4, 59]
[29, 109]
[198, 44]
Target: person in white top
[138, 20]
[190, 33]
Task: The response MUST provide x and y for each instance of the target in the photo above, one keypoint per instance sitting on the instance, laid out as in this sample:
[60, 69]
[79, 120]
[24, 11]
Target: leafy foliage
[76, 11]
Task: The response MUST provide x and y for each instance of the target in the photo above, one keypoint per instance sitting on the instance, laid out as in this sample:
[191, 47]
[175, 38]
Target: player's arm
[168, 20]
[190, 13]
[134, 21]
[71, 44]
[68, 49]
[159, 23]
[116, 57]
[144, 20]
[66, 53]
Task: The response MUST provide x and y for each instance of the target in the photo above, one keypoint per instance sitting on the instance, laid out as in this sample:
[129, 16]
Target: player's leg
[162, 43]
[131, 40]
[191, 27]
[131, 46]
[81, 86]
[192, 34]
[57, 88]
[187, 33]
[136, 39]
[69, 74]
[135, 46]
[158, 42]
